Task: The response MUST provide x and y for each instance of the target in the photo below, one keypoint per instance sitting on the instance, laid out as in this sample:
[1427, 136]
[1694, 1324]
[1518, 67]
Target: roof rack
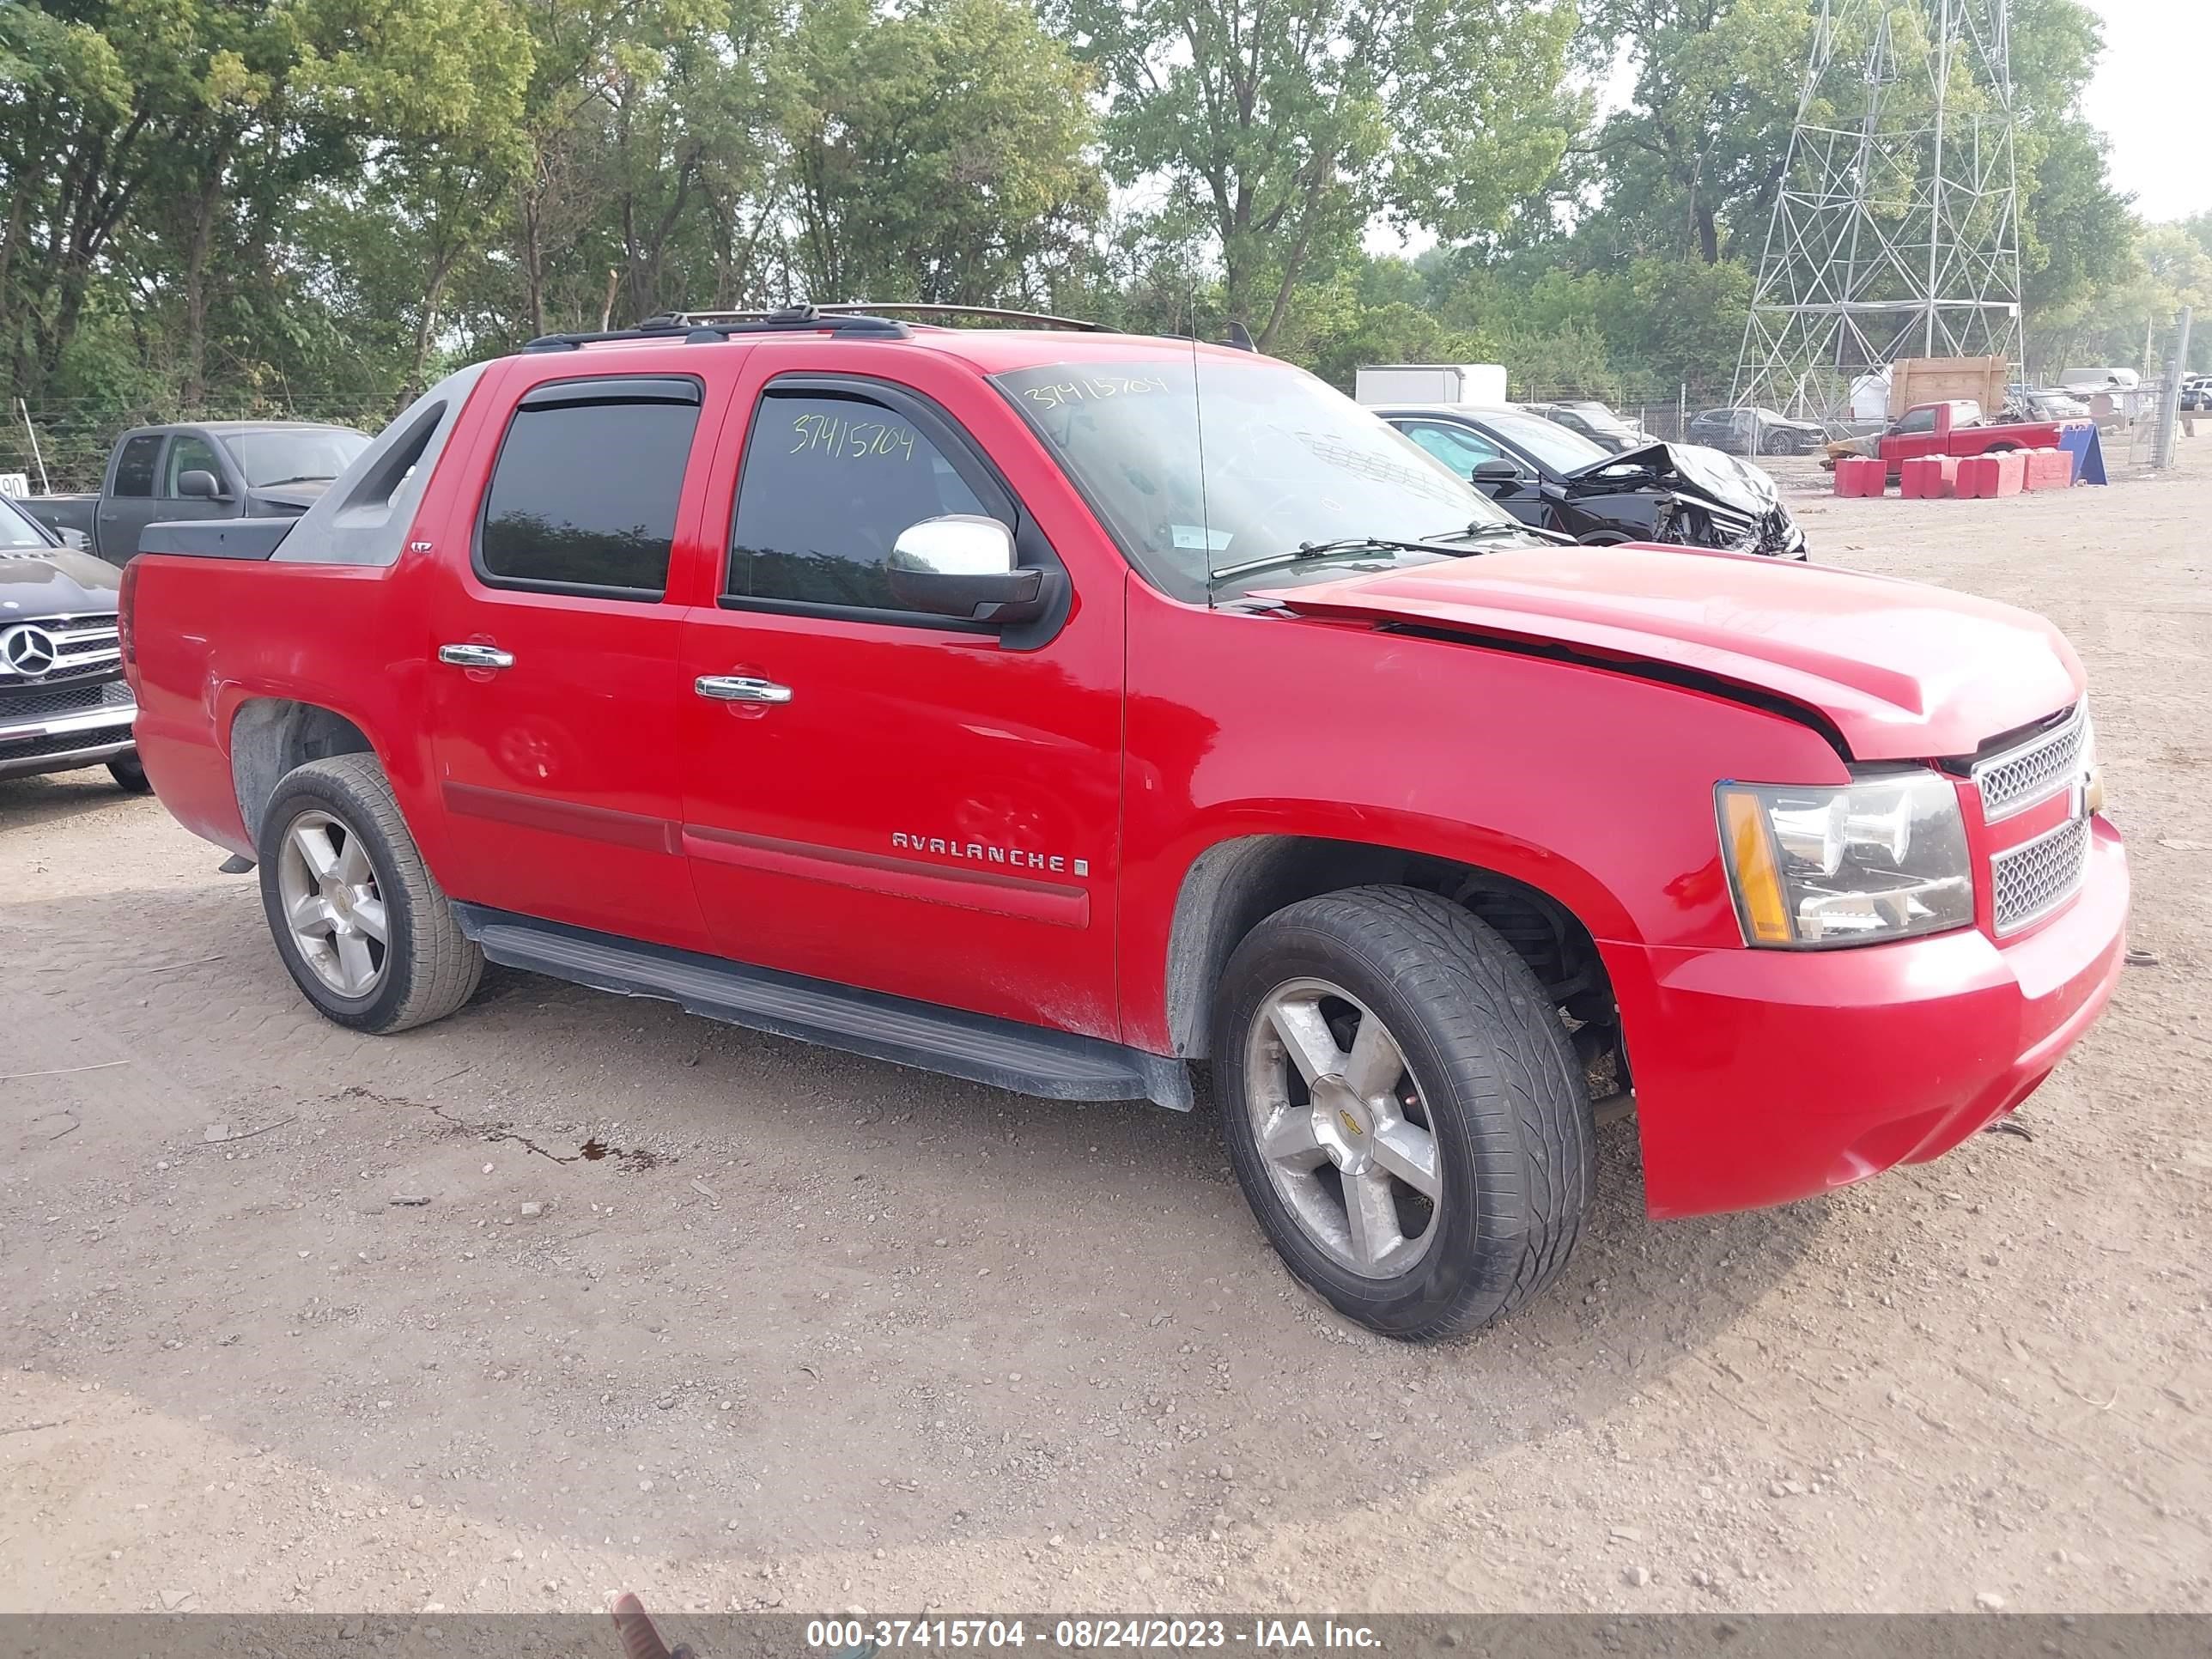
[864, 307]
[720, 324]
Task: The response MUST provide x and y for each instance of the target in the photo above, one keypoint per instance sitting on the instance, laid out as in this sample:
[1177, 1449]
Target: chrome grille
[85, 648]
[2031, 880]
[2033, 771]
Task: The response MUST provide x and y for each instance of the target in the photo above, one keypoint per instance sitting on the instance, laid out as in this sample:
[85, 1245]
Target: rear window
[585, 492]
[270, 460]
[134, 469]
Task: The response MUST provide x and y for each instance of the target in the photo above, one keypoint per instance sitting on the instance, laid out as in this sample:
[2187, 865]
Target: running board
[1028, 1059]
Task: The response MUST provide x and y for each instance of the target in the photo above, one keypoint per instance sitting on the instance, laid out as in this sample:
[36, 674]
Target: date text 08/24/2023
[863, 1635]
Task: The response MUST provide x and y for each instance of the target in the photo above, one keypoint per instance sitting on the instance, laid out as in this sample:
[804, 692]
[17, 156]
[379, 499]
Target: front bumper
[62, 743]
[1765, 1076]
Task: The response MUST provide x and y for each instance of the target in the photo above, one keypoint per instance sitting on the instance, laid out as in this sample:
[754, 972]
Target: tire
[1481, 1056]
[1602, 538]
[129, 774]
[424, 968]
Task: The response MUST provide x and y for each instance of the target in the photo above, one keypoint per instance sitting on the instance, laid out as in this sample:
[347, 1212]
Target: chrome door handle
[740, 687]
[476, 656]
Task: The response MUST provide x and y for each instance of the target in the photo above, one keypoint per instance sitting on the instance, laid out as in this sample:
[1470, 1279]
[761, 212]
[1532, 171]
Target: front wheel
[1402, 1110]
[129, 774]
[362, 923]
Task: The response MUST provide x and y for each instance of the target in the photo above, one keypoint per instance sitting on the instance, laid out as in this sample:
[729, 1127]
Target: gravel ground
[816, 1333]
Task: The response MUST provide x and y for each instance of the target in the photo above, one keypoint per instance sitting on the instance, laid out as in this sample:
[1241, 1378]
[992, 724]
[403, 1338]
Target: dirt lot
[818, 1333]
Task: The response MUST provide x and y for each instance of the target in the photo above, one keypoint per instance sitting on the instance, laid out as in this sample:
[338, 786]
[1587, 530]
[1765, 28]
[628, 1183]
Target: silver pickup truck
[211, 470]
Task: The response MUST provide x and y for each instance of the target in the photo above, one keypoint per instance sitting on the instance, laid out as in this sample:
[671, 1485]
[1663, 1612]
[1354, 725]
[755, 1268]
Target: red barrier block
[1986, 477]
[1929, 477]
[1861, 475]
[2049, 469]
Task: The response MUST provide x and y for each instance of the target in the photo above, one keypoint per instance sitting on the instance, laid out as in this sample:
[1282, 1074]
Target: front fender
[1592, 787]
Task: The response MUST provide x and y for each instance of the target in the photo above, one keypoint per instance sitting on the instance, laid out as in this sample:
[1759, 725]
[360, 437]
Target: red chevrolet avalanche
[1079, 713]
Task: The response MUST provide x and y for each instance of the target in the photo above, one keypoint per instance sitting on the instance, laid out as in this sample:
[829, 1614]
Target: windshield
[1289, 463]
[1553, 444]
[269, 459]
[1601, 419]
[16, 529]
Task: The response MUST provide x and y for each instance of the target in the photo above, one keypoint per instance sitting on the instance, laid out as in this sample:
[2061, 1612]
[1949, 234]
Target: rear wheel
[362, 926]
[1402, 1110]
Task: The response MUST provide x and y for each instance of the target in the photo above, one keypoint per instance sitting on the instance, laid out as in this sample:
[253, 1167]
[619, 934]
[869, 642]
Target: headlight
[1883, 858]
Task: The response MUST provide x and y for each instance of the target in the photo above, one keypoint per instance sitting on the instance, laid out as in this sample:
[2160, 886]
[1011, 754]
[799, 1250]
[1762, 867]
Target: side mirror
[962, 565]
[1496, 476]
[199, 486]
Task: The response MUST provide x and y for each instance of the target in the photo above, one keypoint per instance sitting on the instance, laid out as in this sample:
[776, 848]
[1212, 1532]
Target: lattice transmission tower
[1896, 230]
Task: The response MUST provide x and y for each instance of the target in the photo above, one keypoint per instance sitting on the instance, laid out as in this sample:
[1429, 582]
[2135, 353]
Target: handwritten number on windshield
[1093, 388]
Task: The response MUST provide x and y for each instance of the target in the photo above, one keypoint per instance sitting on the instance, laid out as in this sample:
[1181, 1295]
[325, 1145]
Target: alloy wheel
[332, 904]
[1342, 1129]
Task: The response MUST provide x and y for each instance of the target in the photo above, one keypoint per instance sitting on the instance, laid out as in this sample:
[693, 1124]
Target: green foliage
[316, 206]
[1284, 126]
[935, 155]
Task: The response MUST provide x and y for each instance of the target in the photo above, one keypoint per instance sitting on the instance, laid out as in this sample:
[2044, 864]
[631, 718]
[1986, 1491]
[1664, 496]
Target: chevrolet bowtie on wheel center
[1066, 711]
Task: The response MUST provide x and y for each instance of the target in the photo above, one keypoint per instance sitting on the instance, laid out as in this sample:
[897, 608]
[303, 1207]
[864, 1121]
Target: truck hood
[52, 582]
[1900, 671]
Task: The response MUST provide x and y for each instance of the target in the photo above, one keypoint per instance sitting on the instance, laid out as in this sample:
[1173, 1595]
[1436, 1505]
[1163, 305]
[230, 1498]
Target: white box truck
[1430, 383]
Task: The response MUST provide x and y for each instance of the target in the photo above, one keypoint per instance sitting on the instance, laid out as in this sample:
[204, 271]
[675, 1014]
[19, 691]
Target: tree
[1693, 161]
[442, 85]
[936, 154]
[1289, 125]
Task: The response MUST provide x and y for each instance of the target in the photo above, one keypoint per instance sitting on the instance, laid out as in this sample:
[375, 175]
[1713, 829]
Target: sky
[2149, 97]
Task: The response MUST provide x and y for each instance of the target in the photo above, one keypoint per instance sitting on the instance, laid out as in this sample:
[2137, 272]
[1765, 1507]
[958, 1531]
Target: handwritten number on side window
[834, 437]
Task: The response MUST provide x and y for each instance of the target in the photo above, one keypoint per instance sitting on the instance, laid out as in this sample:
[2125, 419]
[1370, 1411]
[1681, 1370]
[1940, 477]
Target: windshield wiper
[304, 478]
[1488, 530]
[1305, 550]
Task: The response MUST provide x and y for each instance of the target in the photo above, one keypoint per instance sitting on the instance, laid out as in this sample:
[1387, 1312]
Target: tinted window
[134, 473]
[1918, 420]
[585, 493]
[829, 482]
[1459, 449]
[188, 453]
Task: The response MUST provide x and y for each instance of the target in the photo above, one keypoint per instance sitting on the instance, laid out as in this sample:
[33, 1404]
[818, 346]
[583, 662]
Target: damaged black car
[1560, 481]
